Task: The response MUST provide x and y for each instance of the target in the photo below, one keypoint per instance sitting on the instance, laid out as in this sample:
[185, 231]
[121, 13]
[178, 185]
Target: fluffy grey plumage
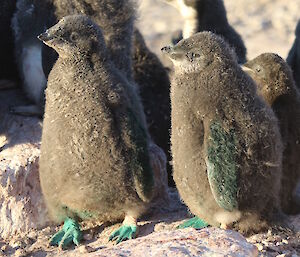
[154, 86]
[116, 20]
[7, 61]
[276, 85]
[209, 15]
[94, 155]
[225, 140]
[28, 22]
[293, 58]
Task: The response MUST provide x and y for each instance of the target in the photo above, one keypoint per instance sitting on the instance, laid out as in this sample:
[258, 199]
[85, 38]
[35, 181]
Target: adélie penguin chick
[28, 22]
[293, 58]
[94, 154]
[276, 85]
[209, 15]
[225, 140]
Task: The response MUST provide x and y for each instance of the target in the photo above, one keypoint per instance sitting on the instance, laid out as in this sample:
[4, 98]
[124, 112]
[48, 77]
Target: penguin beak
[172, 53]
[45, 36]
[166, 49]
[246, 69]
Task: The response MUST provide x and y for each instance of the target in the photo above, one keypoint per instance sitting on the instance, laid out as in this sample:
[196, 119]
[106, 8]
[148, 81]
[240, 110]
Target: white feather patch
[34, 77]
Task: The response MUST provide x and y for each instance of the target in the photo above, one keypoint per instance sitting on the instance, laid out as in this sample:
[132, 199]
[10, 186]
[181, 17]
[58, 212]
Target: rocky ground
[266, 26]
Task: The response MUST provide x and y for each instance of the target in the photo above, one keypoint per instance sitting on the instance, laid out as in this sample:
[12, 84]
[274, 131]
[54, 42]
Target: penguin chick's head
[74, 34]
[197, 52]
[271, 74]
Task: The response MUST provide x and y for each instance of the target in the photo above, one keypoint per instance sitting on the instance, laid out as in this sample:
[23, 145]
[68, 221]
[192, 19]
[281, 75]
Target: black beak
[45, 36]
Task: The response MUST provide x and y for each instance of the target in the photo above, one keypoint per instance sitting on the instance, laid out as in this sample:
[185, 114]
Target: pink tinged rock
[184, 242]
[21, 203]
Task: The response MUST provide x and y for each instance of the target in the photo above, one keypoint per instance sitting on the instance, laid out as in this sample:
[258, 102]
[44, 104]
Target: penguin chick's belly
[101, 198]
[34, 78]
[87, 205]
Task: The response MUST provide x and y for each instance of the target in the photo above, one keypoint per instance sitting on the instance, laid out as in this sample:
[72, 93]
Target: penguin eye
[258, 69]
[73, 36]
[192, 56]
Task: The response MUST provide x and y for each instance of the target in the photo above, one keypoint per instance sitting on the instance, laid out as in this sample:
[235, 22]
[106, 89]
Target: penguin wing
[292, 56]
[222, 166]
[140, 162]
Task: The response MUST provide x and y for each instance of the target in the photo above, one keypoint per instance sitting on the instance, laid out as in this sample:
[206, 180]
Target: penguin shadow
[15, 129]
[91, 235]
[162, 222]
[164, 215]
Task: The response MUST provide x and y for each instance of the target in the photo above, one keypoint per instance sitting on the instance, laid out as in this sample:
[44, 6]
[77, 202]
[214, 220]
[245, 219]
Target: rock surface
[21, 204]
[184, 242]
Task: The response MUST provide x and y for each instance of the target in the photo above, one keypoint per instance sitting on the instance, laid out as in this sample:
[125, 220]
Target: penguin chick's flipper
[195, 222]
[143, 176]
[70, 233]
[27, 110]
[222, 166]
[126, 231]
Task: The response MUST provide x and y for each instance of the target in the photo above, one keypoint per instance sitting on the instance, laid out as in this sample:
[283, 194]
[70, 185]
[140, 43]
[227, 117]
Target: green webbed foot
[194, 223]
[123, 233]
[70, 233]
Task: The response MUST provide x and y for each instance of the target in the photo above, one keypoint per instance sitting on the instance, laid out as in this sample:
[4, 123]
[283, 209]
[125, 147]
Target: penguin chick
[225, 140]
[8, 66]
[94, 155]
[115, 17]
[153, 83]
[28, 22]
[209, 15]
[276, 85]
[293, 58]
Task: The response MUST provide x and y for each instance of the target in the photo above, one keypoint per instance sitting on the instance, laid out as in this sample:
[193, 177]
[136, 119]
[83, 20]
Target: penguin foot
[27, 110]
[125, 232]
[195, 222]
[70, 233]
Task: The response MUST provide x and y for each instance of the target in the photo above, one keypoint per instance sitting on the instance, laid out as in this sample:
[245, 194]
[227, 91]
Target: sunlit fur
[94, 154]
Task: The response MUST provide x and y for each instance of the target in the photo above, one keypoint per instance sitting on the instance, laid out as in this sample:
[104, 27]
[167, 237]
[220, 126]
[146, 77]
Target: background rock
[21, 203]
[184, 242]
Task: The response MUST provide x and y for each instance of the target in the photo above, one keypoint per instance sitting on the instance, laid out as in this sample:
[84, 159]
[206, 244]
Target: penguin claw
[195, 222]
[70, 233]
[124, 233]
